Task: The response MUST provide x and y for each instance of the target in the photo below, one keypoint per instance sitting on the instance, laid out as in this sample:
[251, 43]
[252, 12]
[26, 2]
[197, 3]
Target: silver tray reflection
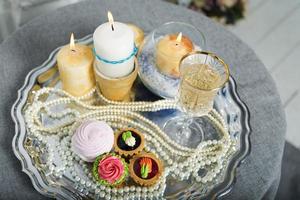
[227, 103]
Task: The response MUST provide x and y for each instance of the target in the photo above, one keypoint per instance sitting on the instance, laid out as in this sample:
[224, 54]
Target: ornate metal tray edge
[218, 192]
[51, 191]
[18, 139]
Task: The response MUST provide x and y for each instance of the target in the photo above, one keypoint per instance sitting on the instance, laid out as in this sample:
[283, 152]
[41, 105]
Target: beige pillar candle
[138, 34]
[169, 51]
[75, 65]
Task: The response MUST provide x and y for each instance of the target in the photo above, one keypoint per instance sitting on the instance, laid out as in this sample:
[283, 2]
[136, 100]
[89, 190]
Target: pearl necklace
[180, 162]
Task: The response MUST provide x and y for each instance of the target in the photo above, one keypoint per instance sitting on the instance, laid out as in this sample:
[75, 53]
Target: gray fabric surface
[257, 177]
[289, 187]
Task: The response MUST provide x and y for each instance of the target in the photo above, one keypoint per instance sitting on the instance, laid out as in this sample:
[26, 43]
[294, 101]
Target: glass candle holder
[149, 55]
[202, 74]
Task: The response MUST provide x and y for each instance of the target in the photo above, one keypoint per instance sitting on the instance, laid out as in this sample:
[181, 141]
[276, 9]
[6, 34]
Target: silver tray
[227, 103]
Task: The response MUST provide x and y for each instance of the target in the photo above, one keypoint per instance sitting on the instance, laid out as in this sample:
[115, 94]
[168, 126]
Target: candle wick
[73, 50]
[112, 27]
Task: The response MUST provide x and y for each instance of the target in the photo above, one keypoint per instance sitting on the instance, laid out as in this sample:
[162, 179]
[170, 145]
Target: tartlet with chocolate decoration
[110, 169]
[145, 169]
[129, 142]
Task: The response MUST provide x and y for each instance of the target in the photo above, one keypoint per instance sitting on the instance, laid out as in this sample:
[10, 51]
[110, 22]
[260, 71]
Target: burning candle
[114, 48]
[75, 65]
[169, 51]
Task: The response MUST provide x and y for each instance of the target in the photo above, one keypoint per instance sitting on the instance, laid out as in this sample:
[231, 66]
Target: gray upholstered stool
[259, 174]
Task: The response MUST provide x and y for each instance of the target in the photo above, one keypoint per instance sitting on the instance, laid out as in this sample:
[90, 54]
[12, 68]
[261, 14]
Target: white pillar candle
[114, 41]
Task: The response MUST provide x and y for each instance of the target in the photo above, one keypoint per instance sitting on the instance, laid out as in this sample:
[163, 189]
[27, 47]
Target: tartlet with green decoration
[129, 142]
[110, 169]
[145, 169]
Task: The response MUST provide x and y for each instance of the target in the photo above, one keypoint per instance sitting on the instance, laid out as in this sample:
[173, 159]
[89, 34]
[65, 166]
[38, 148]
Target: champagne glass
[202, 75]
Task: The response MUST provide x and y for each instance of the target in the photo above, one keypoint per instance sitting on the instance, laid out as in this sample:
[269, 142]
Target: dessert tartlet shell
[125, 153]
[141, 181]
[104, 182]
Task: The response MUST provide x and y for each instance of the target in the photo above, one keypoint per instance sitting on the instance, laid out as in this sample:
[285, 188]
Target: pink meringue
[91, 139]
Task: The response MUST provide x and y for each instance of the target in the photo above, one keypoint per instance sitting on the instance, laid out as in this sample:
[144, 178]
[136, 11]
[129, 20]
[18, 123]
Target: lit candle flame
[111, 20]
[179, 37]
[72, 42]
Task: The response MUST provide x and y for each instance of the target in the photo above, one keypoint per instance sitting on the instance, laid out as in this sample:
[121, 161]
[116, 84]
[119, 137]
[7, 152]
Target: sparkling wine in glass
[202, 74]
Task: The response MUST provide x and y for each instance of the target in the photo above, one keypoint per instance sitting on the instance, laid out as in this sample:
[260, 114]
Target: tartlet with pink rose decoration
[91, 139]
[110, 169]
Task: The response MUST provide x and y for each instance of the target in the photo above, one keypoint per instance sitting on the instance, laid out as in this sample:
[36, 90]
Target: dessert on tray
[129, 142]
[91, 139]
[110, 169]
[145, 169]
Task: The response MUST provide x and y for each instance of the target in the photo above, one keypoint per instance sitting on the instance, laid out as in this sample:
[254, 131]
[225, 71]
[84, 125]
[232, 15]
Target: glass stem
[184, 129]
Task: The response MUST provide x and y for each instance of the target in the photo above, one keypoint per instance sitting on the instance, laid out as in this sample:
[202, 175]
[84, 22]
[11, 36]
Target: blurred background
[270, 27]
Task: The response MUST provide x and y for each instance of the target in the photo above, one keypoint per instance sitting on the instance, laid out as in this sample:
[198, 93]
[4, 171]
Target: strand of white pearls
[181, 162]
[106, 111]
[142, 106]
[65, 98]
[181, 173]
[142, 119]
[34, 110]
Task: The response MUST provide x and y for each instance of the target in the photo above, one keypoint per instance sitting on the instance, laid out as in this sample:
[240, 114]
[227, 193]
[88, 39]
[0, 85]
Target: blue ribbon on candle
[135, 50]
